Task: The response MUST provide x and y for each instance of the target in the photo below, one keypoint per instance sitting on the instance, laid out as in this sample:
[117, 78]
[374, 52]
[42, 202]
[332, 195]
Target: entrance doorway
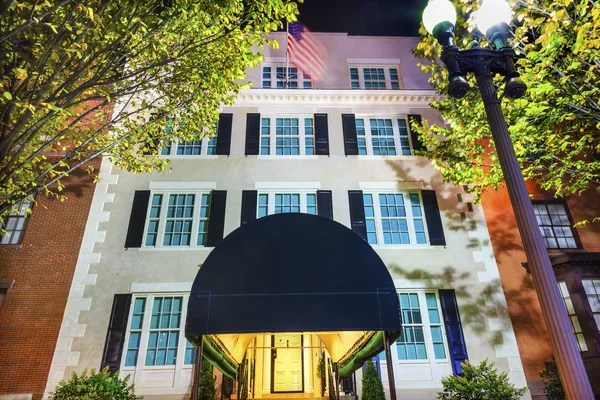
[287, 363]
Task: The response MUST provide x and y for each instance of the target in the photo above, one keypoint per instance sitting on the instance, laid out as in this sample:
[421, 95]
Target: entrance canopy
[292, 273]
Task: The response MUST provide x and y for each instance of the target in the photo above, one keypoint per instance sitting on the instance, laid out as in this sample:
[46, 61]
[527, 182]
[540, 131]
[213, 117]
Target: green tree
[553, 386]
[555, 128]
[372, 388]
[482, 382]
[207, 382]
[100, 385]
[165, 65]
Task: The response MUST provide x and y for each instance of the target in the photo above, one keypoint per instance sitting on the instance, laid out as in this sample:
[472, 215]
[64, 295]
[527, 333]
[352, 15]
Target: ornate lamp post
[492, 18]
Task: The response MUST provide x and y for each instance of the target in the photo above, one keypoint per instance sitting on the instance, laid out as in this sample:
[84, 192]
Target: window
[274, 76]
[177, 219]
[155, 332]
[16, 222]
[394, 218]
[422, 334]
[555, 225]
[592, 291]
[374, 77]
[283, 136]
[201, 147]
[287, 202]
[383, 137]
[572, 316]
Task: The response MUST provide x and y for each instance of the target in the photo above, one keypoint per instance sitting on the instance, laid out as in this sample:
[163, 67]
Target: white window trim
[163, 217]
[396, 129]
[203, 150]
[273, 65]
[271, 199]
[386, 70]
[278, 186]
[426, 323]
[301, 137]
[179, 367]
[409, 216]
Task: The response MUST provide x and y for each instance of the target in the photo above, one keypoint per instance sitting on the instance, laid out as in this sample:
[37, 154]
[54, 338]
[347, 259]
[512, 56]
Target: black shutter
[216, 219]
[137, 219]
[325, 203]
[416, 142]
[433, 218]
[454, 332]
[224, 134]
[252, 134]
[249, 199]
[357, 213]
[321, 135]
[349, 128]
[115, 337]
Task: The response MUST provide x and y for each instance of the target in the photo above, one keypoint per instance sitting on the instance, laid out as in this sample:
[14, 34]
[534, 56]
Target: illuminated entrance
[292, 303]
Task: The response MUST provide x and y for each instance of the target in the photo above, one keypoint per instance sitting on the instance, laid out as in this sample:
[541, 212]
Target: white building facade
[341, 147]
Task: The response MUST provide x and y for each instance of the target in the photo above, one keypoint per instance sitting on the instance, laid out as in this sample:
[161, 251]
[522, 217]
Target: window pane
[178, 225]
[370, 219]
[554, 225]
[162, 343]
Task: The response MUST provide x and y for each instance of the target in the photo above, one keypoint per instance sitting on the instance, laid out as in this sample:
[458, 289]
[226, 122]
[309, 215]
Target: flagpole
[287, 56]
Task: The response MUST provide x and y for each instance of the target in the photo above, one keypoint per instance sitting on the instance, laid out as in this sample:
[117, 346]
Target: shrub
[553, 386]
[207, 382]
[100, 385]
[482, 382]
[372, 389]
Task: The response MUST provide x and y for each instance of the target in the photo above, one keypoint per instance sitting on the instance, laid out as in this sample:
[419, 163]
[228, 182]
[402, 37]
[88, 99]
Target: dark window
[16, 223]
[555, 225]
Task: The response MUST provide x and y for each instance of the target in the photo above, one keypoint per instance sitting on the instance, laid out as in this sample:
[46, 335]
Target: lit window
[592, 291]
[572, 316]
[287, 202]
[394, 218]
[383, 137]
[374, 77]
[177, 219]
[274, 76]
[555, 225]
[16, 222]
[283, 136]
[422, 330]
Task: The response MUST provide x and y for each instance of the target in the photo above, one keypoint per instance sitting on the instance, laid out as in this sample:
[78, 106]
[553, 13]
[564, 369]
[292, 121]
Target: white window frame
[577, 332]
[409, 217]
[396, 130]
[271, 199]
[203, 149]
[426, 324]
[301, 135]
[302, 77]
[386, 71]
[163, 218]
[20, 214]
[138, 370]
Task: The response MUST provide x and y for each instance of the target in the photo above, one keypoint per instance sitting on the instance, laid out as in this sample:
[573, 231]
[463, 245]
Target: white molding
[182, 185]
[273, 60]
[341, 98]
[173, 248]
[161, 287]
[382, 61]
[287, 185]
[394, 185]
[286, 157]
[417, 284]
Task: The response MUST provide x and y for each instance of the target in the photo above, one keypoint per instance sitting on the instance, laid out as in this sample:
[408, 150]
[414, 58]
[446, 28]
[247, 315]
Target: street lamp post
[492, 18]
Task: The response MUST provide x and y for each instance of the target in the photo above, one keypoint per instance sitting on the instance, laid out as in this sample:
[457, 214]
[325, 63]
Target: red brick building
[575, 256]
[36, 270]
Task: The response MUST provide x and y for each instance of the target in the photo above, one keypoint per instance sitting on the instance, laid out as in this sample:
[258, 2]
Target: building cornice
[336, 97]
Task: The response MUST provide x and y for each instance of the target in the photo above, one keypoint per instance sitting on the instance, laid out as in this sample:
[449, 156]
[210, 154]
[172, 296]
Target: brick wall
[42, 269]
[523, 304]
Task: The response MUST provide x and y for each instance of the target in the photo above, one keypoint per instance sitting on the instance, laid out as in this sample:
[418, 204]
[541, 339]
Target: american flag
[305, 51]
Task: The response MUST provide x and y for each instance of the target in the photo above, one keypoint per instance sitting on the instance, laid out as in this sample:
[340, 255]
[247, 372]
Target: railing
[333, 386]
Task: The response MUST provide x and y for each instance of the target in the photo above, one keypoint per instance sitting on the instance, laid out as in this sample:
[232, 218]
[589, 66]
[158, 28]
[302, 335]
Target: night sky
[363, 17]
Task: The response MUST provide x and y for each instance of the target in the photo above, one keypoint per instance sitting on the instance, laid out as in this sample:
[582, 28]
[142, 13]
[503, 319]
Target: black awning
[292, 273]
